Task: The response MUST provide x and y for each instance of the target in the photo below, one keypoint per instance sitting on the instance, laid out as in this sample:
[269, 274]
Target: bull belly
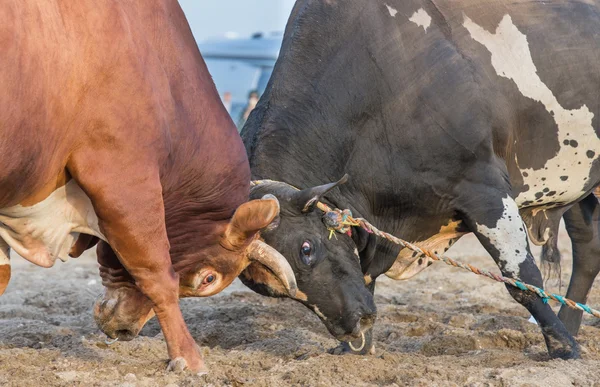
[46, 231]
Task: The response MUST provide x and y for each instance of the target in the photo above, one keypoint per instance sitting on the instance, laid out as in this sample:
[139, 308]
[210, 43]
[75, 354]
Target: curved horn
[307, 198]
[261, 252]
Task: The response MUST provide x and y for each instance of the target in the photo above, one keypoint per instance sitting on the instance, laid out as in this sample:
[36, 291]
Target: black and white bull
[450, 117]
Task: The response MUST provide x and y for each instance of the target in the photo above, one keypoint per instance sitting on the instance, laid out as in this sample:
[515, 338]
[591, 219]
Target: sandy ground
[445, 327]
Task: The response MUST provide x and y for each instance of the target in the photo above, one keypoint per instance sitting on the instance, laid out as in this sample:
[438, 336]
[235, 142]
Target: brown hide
[116, 95]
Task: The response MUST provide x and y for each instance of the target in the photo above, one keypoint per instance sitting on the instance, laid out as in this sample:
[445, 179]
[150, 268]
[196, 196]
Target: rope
[341, 221]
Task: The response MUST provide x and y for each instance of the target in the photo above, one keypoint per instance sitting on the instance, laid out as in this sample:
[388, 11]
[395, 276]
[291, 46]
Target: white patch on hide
[564, 176]
[421, 18]
[508, 236]
[391, 10]
[47, 230]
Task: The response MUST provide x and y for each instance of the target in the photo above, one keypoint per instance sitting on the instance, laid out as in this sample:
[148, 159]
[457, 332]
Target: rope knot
[339, 221]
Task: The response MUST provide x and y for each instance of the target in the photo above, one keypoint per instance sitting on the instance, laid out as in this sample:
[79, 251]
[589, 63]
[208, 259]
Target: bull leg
[368, 347]
[582, 222]
[496, 222]
[127, 197]
[4, 265]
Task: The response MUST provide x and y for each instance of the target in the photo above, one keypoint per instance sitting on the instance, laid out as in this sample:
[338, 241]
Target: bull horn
[308, 198]
[261, 252]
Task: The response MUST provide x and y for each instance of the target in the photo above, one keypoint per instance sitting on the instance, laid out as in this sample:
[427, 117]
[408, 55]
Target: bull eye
[306, 252]
[306, 248]
[209, 279]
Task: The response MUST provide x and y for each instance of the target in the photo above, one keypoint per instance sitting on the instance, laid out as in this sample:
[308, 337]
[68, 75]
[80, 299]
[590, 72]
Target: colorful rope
[342, 221]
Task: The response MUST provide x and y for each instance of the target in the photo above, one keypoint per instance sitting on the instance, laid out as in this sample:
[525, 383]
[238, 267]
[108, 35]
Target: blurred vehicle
[239, 66]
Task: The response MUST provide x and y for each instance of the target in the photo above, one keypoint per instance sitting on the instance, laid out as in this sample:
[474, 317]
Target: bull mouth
[346, 336]
[363, 325]
[350, 337]
[341, 333]
[122, 335]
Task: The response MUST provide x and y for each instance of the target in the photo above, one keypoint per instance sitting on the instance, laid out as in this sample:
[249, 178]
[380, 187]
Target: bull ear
[247, 220]
[308, 198]
[366, 245]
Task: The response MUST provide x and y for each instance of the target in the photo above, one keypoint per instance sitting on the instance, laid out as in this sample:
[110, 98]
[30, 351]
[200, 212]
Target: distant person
[227, 101]
[252, 101]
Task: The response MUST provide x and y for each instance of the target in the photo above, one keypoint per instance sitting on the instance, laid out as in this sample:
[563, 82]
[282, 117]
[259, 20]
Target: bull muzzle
[122, 313]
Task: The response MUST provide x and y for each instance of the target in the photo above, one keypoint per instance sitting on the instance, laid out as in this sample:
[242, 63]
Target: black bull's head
[327, 270]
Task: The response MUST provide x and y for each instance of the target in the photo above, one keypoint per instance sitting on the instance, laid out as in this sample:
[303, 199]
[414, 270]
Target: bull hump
[47, 230]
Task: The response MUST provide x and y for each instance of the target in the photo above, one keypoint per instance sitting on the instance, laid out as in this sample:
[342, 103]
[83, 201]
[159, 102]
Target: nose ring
[111, 342]
[362, 344]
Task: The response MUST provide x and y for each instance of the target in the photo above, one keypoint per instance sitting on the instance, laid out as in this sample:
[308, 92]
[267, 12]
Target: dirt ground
[445, 327]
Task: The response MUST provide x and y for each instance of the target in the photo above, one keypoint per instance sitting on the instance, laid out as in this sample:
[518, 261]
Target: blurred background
[240, 41]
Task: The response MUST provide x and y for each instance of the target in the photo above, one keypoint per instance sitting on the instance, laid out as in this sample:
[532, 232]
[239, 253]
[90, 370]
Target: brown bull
[111, 129]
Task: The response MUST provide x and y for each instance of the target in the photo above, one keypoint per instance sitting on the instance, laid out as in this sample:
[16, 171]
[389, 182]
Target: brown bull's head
[123, 310]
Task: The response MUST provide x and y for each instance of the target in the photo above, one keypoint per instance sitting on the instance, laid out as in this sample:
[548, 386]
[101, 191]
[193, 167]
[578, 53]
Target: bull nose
[111, 323]
[366, 322]
[362, 323]
[123, 334]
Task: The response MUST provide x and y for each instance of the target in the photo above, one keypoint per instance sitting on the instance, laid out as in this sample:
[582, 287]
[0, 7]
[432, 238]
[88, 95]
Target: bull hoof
[566, 354]
[196, 364]
[179, 365]
[564, 347]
